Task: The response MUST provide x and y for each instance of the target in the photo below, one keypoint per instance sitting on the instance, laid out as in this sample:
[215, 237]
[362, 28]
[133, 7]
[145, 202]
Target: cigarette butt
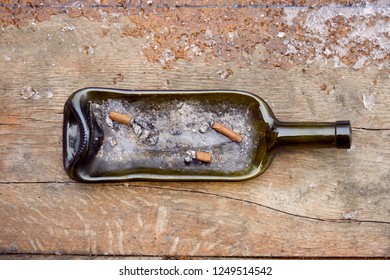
[227, 132]
[203, 156]
[122, 118]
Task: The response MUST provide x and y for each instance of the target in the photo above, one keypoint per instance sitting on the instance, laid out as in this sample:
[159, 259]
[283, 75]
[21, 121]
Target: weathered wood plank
[75, 257]
[309, 203]
[28, 123]
[114, 219]
[339, 185]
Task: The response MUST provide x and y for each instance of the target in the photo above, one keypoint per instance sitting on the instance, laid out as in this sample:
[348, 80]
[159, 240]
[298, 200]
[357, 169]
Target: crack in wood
[331, 220]
[369, 129]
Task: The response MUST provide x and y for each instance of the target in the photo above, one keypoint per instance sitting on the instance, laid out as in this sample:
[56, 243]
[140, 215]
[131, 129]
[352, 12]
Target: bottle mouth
[343, 134]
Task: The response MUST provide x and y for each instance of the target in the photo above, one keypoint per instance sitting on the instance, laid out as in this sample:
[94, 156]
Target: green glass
[167, 124]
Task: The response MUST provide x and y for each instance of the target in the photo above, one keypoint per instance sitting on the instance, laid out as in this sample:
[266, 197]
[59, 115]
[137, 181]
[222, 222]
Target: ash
[162, 132]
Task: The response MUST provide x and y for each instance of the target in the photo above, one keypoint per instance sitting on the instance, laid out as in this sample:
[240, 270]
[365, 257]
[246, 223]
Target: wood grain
[310, 203]
[147, 220]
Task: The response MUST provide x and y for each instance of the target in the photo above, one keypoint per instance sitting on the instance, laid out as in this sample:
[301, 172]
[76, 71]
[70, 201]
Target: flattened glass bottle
[168, 128]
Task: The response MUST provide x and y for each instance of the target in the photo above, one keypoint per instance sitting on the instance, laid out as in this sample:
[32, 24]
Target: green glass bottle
[180, 135]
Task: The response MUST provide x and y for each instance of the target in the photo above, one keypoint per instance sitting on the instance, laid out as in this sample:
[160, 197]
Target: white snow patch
[368, 101]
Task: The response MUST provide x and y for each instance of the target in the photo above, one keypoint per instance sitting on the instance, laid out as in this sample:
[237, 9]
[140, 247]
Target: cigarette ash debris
[204, 127]
[190, 156]
[145, 130]
[175, 131]
[165, 135]
[112, 141]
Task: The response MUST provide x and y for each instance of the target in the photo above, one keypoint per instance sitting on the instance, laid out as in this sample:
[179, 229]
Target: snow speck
[352, 214]
[233, 35]
[291, 14]
[353, 148]
[368, 101]
[327, 52]
[380, 158]
[360, 62]
[49, 93]
[224, 74]
[27, 92]
[68, 28]
[194, 50]
[87, 49]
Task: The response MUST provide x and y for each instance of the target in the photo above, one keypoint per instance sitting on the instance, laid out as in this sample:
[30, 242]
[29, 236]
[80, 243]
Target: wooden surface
[310, 203]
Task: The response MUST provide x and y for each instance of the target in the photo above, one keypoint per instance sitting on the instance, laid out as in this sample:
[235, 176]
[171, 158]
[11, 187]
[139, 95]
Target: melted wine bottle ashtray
[112, 134]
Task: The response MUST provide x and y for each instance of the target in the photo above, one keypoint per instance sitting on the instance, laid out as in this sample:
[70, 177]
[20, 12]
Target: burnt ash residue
[267, 34]
[162, 132]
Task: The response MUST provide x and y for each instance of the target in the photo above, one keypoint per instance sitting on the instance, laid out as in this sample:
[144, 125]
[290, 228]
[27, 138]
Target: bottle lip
[343, 135]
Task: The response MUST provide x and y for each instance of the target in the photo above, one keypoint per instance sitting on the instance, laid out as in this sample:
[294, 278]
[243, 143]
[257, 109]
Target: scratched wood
[310, 203]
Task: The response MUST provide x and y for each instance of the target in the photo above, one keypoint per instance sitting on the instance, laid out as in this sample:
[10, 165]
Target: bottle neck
[314, 134]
